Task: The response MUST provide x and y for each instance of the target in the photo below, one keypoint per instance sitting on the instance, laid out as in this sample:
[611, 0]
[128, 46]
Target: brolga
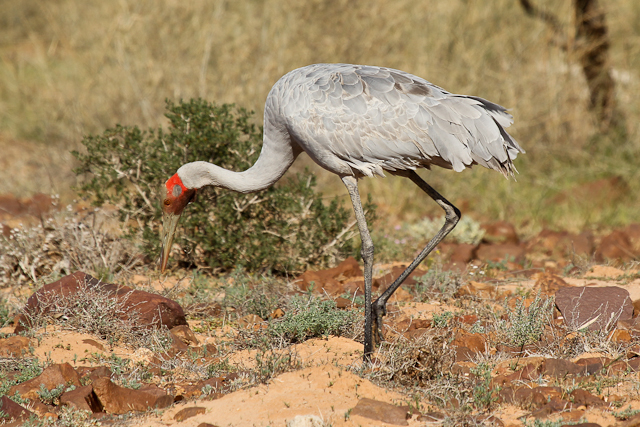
[361, 121]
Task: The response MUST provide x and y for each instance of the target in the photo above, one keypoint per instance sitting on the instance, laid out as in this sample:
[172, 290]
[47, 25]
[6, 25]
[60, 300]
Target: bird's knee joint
[453, 215]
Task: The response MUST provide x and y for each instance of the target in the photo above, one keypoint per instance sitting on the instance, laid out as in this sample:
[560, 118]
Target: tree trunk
[592, 47]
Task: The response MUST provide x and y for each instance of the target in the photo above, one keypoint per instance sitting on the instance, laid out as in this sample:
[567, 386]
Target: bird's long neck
[278, 153]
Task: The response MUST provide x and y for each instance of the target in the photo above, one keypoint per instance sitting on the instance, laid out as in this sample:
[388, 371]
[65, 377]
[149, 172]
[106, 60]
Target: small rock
[120, 400]
[560, 368]
[500, 252]
[582, 397]
[381, 284]
[82, 398]
[381, 411]
[276, 314]
[549, 283]
[185, 334]
[91, 373]
[150, 310]
[51, 377]
[189, 412]
[500, 232]
[615, 246]
[463, 253]
[475, 343]
[562, 243]
[343, 303]
[93, 343]
[13, 411]
[251, 321]
[15, 346]
[595, 308]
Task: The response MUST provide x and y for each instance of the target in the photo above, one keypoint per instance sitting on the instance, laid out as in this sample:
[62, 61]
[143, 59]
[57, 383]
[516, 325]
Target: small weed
[543, 423]
[437, 283]
[625, 414]
[50, 397]
[525, 325]
[309, 317]
[483, 395]
[271, 363]
[442, 320]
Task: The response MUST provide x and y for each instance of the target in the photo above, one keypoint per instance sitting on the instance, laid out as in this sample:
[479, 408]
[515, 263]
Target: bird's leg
[452, 216]
[367, 255]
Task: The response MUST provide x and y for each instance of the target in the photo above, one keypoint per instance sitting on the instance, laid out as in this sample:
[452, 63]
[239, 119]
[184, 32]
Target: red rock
[206, 425]
[381, 411]
[582, 397]
[10, 206]
[82, 398]
[94, 343]
[91, 373]
[474, 342]
[462, 253]
[500, 252]
[632, 231]
[149, 310]
[500, 232]
[219, 385]
[549, 283]
[276, 314]
[621, 336]
[599, 308]
[578, 415]
[354, 287]
[560, 368]
[327, 280]
[615, 246]
[189, 412]
[15, 346]
[120, 400]
[51, 377]
[553, 405]
[535, 398]
[562, 243]
[204, 309]
[184, 334]
[251, 321]
[467, 319]
[13, 411]
[343, 303]
[382, 283]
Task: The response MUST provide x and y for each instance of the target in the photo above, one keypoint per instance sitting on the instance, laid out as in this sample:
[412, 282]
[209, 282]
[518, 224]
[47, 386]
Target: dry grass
[68, 68]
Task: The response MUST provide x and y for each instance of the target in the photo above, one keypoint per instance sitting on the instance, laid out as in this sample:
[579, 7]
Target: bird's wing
[383, 119]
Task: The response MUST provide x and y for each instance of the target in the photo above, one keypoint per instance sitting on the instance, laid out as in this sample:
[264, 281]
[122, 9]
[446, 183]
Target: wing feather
[374, 119]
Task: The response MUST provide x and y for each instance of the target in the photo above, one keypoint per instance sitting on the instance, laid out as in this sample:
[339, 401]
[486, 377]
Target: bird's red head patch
[175, 187]
[177, 196]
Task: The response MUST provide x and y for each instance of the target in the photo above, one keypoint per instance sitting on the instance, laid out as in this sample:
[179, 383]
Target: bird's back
[363, 120]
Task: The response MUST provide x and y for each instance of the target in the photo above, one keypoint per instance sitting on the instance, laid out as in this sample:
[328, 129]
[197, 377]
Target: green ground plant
[265, 231]
[309, 317]
[525, 324]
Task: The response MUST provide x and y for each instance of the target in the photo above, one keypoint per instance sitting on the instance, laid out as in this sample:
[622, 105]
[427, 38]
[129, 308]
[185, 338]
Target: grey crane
[360, 121]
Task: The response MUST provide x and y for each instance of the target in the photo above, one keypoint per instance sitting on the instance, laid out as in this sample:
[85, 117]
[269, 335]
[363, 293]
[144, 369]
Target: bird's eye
[167, 202]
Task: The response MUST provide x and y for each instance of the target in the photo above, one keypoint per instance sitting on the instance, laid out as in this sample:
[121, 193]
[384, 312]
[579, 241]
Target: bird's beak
[169, 225]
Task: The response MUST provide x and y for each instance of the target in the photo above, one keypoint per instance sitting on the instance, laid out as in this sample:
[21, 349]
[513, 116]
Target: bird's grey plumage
[363, 120]
[355, 121]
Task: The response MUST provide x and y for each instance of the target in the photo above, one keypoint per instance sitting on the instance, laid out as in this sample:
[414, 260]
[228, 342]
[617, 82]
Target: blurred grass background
[70, 68]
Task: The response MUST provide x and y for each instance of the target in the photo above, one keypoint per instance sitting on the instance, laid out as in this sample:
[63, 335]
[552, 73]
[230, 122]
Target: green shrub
[310, 317]
[283, 229]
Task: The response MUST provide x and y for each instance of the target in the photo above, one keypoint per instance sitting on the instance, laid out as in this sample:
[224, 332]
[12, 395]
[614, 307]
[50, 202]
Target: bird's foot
[379, 311]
